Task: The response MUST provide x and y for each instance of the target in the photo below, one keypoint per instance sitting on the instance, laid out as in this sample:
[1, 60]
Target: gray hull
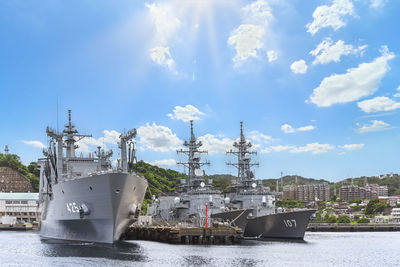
[110, 202]
[288, 225]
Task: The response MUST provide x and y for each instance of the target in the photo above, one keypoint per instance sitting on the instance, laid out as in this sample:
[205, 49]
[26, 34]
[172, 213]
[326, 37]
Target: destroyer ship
[196, 199]
[83, 198]
[262, 220]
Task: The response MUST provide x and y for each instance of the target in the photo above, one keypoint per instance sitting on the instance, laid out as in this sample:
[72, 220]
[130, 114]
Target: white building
[23, 206]
[395, 215]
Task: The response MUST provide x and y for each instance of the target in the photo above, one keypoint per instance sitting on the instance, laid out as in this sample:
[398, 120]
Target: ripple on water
[320, 249]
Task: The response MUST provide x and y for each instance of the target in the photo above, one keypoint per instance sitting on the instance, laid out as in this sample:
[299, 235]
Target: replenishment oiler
[83, 198]
[263, 219]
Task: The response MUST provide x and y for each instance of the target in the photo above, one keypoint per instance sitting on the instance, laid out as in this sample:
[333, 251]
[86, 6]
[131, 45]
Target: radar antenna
[245, 175]
[196, 175]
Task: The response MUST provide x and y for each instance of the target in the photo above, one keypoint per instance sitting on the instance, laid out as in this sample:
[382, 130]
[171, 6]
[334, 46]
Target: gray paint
[83, 198]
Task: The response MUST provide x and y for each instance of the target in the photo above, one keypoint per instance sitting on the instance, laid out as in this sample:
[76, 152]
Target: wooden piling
[221, 234]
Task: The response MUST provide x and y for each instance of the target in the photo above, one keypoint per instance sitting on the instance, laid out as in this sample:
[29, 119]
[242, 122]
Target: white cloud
[287, 128]
[37, 144]
[380, 103]
[272, 55]
[256, 136]
[165, 21]
[377, 3]
[248, 37]
[306, 128]
[166, 25]
[186, 113]
[110, 137]
[397, 94]
[299, 67]
[327, 51]
[265, 150]
[278, 148]
[281, 148]
[354, 84]
[351, 147]
[330, 16]
[258, 11]
[164, 162]
[89, 144]
[214, 144]
[158, 138]
[374, 126]
[314, 148]
[162, 56]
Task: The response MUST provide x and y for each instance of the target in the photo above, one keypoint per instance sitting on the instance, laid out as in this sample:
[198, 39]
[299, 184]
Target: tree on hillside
[13, 161]
[343, 219]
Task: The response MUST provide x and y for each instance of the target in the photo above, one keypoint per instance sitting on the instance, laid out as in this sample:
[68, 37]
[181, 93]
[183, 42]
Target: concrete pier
[348, 227]
[222, 235]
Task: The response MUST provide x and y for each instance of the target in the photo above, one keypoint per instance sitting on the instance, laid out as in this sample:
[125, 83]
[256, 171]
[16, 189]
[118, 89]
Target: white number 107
[290, 223]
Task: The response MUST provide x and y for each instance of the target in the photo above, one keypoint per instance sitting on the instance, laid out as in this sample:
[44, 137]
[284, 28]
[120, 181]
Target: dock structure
[348, 227]
[221, 235]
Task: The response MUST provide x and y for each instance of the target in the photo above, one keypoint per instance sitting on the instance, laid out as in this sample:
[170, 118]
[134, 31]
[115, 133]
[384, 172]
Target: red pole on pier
[206, 216]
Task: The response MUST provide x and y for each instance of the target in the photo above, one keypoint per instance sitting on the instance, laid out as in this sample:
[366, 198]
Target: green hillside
[160, 180]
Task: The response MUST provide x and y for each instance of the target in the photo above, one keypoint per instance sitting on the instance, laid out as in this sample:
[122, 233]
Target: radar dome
[198, 172]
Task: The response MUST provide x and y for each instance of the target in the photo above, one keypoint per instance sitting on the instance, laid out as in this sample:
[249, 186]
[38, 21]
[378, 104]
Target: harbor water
[318, 249]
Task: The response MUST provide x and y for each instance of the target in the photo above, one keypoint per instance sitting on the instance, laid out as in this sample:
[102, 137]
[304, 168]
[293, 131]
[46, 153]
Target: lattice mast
[243, 164]
[196, 175]
[66, 139]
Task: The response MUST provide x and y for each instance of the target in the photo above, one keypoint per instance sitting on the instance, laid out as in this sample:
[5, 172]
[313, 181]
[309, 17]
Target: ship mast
[70, 133]
[196, 175]
[245, 175]
[72, 137]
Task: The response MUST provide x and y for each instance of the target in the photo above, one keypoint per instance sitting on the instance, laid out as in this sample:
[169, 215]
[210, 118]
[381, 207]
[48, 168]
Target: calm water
[320, 249]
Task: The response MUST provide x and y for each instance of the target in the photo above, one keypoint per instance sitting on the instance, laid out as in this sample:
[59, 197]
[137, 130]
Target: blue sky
[315, 82]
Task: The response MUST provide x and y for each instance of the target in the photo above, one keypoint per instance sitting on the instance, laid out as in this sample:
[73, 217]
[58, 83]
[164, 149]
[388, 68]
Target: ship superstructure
[189, 205]
[258, 204]
[248, 193]
[84, 198]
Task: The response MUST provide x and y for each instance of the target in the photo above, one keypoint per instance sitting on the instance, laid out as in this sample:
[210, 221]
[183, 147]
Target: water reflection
[118, 251]
[196, 261]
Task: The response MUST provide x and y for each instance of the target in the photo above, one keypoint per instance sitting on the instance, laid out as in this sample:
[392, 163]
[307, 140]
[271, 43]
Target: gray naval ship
[83, 198]
[258, 217]
[195, 196]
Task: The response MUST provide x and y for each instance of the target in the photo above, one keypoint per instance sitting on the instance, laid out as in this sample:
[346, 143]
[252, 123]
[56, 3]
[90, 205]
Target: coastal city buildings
[351, 192]
[22, 206]
[307, 192]
[17, 203]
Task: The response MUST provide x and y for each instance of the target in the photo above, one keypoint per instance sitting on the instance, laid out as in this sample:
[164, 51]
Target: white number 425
[72, 207]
